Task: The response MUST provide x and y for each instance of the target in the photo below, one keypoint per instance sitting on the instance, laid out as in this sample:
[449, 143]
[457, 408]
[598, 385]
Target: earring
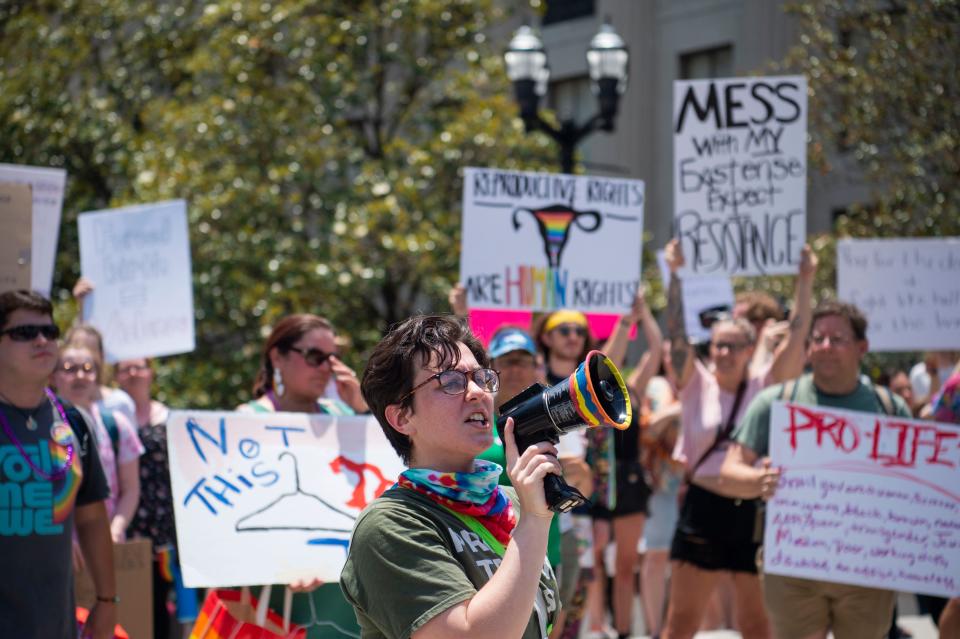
[278, 382]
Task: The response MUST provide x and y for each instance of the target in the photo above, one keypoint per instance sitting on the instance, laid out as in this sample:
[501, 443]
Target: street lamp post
[527, 68]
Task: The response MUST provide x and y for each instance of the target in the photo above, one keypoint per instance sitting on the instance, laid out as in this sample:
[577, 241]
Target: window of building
[707, 63]
[561, 10]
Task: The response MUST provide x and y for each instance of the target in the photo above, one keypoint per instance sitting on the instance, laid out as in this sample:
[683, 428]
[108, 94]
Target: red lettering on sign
[909, 438]
[842, 433]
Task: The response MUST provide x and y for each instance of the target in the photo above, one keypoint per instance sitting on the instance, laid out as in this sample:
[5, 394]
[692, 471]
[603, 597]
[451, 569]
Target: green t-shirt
[753, 431]
[411, 559]
[498, 455]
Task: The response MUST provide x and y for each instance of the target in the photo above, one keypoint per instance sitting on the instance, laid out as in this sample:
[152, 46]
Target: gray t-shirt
[411, 559]
[36, 522]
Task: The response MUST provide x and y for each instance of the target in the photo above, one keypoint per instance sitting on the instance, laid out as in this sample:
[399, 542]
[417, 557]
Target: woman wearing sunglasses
[298, 363]
[714, 539]
[447, 552]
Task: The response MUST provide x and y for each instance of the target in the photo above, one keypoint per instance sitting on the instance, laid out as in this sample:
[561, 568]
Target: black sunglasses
[29, 332]
[566, 331]
[312, 356]
[454, 382]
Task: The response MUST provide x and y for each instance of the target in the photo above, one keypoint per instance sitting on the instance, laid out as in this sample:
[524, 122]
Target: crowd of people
[675, 498]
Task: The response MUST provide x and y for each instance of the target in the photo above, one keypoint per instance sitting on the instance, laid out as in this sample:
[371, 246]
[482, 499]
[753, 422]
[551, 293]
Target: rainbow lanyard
[57, 474]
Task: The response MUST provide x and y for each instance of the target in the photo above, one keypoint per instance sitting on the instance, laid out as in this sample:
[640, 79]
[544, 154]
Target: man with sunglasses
[51, 483]
[801, 608]
[447, 552]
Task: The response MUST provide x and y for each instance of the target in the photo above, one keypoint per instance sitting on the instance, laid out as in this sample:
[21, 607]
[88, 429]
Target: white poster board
[909, 289]
[138, 258]
[271, 498]
[543, 241]
[740, 174]
[699, 294]
[47, 186]
[864, 499]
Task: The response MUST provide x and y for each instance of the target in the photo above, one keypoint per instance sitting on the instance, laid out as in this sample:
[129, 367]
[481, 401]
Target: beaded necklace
[57, 474]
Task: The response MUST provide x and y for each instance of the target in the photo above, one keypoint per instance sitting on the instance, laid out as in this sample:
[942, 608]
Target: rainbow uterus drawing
[554, 223]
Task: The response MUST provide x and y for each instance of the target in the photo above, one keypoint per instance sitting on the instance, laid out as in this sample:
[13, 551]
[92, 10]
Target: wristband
[114, 599]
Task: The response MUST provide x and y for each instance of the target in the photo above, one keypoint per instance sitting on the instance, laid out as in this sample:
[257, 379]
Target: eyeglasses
[835, 340]
[454, 382]
[570, 329]
[29, 332]
[131, 369]
[312, 356]
[73, 368]
[733, 347]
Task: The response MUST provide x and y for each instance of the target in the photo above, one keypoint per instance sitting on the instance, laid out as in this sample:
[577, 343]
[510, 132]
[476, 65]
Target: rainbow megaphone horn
[594, 395]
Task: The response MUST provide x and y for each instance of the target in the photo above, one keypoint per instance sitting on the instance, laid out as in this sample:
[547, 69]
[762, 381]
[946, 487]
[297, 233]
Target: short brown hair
[760, 306]
[286, 332]
[858, 322]
[391, 368]
[24, 300]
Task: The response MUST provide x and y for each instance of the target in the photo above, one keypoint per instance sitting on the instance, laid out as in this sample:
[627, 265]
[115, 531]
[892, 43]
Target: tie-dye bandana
[476, 494]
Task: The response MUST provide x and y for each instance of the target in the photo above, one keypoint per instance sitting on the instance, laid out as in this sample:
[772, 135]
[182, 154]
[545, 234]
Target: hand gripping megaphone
[594, 395]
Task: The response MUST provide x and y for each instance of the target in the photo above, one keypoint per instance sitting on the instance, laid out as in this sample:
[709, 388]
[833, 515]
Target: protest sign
[909, 289]
[864, 499]
[543, 241]
[47, 186]
[133, 570]
[740, 173]
[699, 293]
[271, 498]
[138, 258]
[16, 217]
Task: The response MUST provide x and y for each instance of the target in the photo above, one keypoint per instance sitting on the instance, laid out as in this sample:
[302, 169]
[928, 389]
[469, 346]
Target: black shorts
[632, 493]
[716, 532]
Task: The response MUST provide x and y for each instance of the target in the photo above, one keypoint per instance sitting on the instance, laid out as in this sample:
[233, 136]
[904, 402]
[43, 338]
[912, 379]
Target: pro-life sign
[543, 241]
[864, 499]
[740, 171]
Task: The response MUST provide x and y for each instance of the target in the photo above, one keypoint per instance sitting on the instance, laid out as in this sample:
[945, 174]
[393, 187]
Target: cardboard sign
[909, 289]
[271, 498]
[864, 499]
[133, 565]
[740, 174]
[699, 294]
[16, 217]
[47, 187]
[138, 258]
[543, 241]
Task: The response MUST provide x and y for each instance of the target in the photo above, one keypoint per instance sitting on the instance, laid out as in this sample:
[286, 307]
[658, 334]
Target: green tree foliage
[884, 94]
[319, 147]
[884, 105]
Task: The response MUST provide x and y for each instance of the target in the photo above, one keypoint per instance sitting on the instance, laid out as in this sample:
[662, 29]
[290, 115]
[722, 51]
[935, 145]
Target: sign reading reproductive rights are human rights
[544, 241]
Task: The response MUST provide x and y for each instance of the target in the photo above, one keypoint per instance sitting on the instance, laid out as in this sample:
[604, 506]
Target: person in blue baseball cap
[513, 353]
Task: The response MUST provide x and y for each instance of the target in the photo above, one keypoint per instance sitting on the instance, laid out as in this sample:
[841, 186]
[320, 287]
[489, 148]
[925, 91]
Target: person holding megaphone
[446, 552]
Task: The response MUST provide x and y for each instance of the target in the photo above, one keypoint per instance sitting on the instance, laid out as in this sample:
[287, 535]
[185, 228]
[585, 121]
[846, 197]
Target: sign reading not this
[740, 174]
[543, 241]
[138, 258]
[271, 498]
[864, 499]
[909, 289]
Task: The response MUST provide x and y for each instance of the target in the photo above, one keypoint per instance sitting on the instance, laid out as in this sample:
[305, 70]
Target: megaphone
[594, 395]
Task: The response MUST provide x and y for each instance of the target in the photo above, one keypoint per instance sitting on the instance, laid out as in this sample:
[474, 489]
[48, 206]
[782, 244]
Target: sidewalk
[909, 620]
